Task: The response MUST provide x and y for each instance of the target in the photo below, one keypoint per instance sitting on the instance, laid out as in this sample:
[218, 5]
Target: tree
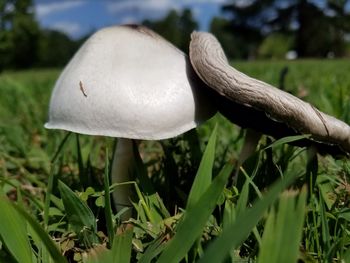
[6, 44]
[19, 34]
[175, 27]
[317, 34]
[318, 28]
[275, 46]
[233, 46]
[64, 49]
[246, 24]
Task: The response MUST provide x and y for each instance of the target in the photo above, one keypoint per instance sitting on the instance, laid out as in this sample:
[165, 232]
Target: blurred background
[38, 33]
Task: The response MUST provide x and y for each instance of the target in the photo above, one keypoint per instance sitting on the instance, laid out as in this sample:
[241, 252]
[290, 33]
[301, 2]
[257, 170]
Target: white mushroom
[128, 82]
[258, 105]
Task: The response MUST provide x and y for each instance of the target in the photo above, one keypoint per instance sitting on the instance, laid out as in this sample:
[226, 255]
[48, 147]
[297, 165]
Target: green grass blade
[230, 214]
[195, 219]
[284, 227]
[45, 238]
[243, 198]
[346, 256]
[42, 254]
[122, 245]
[204, 174]
[242, 202]
[99, 254]
[82, 175]
[326, 239]
[51, 179]
[153, 250]
[156, 210]
[60, 147]
[120, 252]
[48, 196]
[13, 232]
[251, 182]
[288, 139]
[233, 235]
[108, 208]
[79, 215]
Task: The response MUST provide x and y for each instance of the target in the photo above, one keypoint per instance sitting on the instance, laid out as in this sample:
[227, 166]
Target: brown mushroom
[255, 104]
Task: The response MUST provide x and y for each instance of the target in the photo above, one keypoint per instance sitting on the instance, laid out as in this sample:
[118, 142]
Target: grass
[288, 204]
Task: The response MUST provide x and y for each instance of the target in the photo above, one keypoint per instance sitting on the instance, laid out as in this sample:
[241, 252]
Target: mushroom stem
[122, 171]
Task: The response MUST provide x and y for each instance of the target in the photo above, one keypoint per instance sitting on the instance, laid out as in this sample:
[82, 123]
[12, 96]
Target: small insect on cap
[127, 81]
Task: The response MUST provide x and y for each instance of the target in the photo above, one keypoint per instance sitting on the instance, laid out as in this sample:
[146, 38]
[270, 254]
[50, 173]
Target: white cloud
[243, 3]
[70, 28]
[142, 5]
[196, 11]
[128, 20]
[205, 1]
[135, 11]
[155, 5]
[45, 9]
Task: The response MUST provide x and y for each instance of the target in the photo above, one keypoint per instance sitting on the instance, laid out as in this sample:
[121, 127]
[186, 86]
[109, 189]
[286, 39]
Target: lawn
[287, 204]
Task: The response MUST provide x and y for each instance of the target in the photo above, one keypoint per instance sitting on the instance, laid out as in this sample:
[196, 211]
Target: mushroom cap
[127, 81]
[265, 108]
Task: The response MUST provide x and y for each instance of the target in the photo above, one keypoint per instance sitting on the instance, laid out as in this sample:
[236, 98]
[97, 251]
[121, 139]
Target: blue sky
[78, 17]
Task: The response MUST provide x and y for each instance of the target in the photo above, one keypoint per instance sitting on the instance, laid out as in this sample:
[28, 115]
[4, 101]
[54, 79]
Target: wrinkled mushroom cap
[127, 81]
[260, 106]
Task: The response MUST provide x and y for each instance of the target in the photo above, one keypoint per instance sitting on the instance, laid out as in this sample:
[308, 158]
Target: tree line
[268, 28]
[254, 29]
[24, 44]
